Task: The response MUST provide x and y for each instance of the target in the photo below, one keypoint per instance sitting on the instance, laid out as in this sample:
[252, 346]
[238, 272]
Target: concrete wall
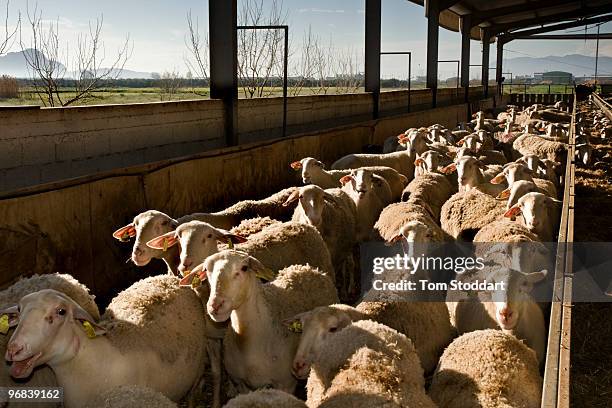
[49, 144]
[67, 226]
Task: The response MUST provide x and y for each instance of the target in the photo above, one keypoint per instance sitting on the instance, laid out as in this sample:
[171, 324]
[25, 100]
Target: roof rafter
[481, 17]
[518, 34]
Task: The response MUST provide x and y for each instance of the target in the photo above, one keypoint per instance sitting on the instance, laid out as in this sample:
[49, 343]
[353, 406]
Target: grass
[537, 89]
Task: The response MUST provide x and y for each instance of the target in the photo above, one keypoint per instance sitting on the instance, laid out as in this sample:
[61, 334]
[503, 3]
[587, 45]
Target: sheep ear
[513, 211]
[504, 194]
[320, 163]
[451, 168]
[295, 194]
[194, 277]
[418, 162]
[346, 179]
[125, 233]
[294, 323]
[535, 277]
[9, 317]
[164, 242]
[296, 165]
[461, 142]
[227, 237]
[88, 324]
[451, 154]
[498, 179]
[481, 164]
[554, 202]
[260, 270]
[394, 240]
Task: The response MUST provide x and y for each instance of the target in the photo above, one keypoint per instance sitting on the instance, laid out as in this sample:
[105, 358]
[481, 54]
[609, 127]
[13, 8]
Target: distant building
[558, 77]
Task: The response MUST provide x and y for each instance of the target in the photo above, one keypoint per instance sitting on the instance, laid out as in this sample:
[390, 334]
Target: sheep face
[537, 212]
[51, 327]
[231, 275]
[428, 161]
[468, 171]
[470, 142]
[197, 241]
[312, 203]
[316, 326]
[359, 181]
[513, 172]
[146, 226]
[416, 142]
[310, 169]
[508, 301]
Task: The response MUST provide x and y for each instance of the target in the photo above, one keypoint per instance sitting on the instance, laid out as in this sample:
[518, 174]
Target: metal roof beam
[582, 13]
[482, 16]
[602, 36]
[584, 21]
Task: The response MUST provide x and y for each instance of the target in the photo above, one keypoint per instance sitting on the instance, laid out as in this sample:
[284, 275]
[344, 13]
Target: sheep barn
[434, 246]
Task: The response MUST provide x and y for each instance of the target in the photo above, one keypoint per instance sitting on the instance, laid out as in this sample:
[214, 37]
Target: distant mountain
[579, 65]
[14, 64]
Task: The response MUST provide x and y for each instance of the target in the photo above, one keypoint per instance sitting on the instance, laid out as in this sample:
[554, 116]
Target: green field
[109, 96]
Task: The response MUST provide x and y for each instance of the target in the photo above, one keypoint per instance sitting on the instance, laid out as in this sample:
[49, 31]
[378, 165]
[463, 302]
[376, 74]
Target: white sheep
[313, 172]
[146, 226]
[135, 342]
[361, 187]
[258, 351]
[487, 368]
[511, 245]
[466, 212]
[508, 307]
[402, 161]
[540, 214]
[427, 324]
[432, 188]
[367, 364]
[266, 398]
[131, 396]
[334, 215]
[277, 246]
[428, 162]
[532, 144]
[514, 172]
[41, 376]
[470, 175]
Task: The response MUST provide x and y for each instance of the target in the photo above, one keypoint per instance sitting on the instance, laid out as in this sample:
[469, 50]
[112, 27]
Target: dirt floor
[591, 356]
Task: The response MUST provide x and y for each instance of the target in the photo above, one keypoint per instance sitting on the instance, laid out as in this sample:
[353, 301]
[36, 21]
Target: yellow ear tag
[125, 237]
[186, 272]
[165, 244]
[196, 281]
[91, 332]
[230, 244]
[266, 274]
[4, 324]
[295, 326]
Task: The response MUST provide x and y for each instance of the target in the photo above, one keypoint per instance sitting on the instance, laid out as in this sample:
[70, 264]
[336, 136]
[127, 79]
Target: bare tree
[197, 45]
[305, 68]
[323, 61]
[169, 85]
[8, 38]
[260, 52]
[45, 51]
[348, 75]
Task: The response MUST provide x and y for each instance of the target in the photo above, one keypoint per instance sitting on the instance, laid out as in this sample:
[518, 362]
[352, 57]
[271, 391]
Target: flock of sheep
[252, 299]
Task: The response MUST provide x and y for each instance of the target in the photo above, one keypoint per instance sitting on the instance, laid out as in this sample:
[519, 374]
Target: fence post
[549, 89]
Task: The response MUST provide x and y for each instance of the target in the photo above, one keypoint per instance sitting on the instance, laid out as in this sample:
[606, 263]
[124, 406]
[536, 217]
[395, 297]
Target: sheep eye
[61, 311]
[244, 268]
[333, 329]
[209, 235]
[164, 222]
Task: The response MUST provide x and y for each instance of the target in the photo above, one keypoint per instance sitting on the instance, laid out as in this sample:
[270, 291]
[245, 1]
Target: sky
[157, 30]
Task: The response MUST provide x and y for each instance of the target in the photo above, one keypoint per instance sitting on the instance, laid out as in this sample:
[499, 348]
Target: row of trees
[63, 74]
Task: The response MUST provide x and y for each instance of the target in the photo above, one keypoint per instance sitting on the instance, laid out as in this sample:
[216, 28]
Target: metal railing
[556, 391]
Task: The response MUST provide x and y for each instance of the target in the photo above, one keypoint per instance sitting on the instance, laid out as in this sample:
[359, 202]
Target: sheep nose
[215, 305]
[505, 313]
[138, 250]
[13, 351]
[299, 365]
